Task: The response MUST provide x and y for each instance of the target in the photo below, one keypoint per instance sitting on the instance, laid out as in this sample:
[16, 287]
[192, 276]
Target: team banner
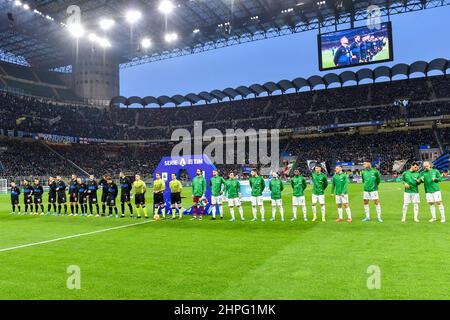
[399, 165]
[246, 191]
[312, 164]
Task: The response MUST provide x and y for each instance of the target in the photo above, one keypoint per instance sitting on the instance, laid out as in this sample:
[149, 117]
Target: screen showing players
[353, 47]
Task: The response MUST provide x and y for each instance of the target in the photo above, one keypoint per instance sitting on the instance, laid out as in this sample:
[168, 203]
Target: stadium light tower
[106, 23]
[146, 43]
[133, 16]
[76, 30]
[166, 6]
[171, 37]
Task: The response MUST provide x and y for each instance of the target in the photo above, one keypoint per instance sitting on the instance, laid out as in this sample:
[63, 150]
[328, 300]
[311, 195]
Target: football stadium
[224, 150]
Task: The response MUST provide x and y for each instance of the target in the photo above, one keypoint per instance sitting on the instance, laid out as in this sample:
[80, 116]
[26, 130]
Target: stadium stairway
[438, 138]
[73, 164]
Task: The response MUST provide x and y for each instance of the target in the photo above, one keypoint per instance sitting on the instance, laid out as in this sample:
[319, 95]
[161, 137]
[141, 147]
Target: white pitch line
[73, 236]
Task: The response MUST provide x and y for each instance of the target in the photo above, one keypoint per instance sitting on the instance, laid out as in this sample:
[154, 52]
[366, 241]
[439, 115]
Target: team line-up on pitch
[83, 195]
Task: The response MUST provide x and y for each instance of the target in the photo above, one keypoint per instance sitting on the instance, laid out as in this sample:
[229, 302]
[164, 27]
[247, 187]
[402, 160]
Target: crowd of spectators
[368, 102]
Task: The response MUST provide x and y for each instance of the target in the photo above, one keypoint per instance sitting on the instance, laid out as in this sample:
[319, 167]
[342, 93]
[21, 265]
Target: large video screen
[354, 47]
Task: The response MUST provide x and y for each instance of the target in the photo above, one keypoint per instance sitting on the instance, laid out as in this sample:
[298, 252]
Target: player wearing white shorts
[217, 184]
[320, 183]
[298, 183]
[257, 184]
[431, 178]
[371, 178]
[339, 186]
[276, 188]
[233, 191]
[410, 179]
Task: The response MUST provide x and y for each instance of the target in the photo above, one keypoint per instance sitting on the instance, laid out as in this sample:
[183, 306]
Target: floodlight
[166, 6]
[171, 37]
[106, 24]
[146, 43]
[76, 30]
[133, 16]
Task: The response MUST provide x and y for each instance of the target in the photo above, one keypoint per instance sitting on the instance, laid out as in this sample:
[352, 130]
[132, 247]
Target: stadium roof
[297, 84]
[38, 37]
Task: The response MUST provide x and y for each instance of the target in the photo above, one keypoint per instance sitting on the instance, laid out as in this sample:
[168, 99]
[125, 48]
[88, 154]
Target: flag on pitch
[442, 163]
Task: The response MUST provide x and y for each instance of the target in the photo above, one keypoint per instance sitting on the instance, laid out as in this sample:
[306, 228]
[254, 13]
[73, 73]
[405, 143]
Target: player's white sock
[405, 210]
[282, 213]
[349, 213]
[221, 211]
[314, 210]
[241, 212]
[442, 211]
[254, 211]
[433, 212]
[294, 209]
[340, 213]
[274, 211]
[262, 212]
[304, 213]
[367, 211]
[323, 212]
[214, 209]
[232, 213]
[378, 207]
[416, 211]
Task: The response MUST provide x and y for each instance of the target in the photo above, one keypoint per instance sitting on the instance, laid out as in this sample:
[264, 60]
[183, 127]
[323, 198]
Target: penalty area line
[73, 236]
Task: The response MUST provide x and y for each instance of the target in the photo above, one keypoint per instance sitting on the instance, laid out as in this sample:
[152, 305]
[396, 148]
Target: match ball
[156, 217]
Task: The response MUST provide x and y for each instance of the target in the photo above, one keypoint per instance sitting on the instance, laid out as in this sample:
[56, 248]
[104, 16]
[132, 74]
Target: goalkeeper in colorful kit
[298, 183]
[431, 178]
[257, 184]
[411, 181]
[233, 192]
[371, 178]
[320, 183]
[217, 183]
[339, 187]
[276, 188]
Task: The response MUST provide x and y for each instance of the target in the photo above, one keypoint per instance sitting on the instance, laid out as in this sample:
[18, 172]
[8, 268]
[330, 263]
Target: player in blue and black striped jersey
[73, 196]
[125, 194]
[51, 195]
[92, 195]
[61, 194]
[15, 193]
[82, 196]
[104, 185]
[111, 197]
[38, 192]
[27, 197]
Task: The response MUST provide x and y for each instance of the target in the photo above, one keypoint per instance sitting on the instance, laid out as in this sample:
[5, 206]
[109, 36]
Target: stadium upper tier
[35, 82]
[297, 84]
[310, 111]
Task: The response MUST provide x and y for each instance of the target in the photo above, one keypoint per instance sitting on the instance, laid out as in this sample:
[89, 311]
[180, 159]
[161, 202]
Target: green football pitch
[121, 259]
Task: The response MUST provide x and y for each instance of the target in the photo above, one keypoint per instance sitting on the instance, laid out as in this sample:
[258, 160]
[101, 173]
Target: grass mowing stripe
[73, 236]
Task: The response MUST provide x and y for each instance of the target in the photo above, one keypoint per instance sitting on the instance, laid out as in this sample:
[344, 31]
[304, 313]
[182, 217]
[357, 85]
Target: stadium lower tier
[27, 158]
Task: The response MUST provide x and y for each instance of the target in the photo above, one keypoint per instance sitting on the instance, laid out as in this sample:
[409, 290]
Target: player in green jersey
[411, 181]
[257, 184]
[339, 187]
[217, 183]
[371, 178]
[320, 183]
[175, 197]
[276, 187]
[298, 183]
[198, 193]
[431, 178]
[233, 192]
